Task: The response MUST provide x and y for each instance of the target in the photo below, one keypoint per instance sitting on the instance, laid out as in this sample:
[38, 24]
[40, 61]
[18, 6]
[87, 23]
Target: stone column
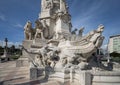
[85, 78]
[72, 74]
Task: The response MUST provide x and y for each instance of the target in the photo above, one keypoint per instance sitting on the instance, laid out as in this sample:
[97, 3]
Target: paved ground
[11, 75]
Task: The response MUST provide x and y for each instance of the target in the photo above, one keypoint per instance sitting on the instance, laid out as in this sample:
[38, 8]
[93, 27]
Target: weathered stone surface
[28, 31]
[52, 51]
[11, 75]
[33, 73]
[24, 59]
[106, 78]
[53, 46]
[22, 62]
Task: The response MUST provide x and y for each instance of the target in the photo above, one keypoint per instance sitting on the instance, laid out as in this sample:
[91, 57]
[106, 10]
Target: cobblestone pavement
[11, 75]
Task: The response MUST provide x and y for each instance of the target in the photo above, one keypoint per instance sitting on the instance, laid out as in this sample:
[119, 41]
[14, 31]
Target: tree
[115, 56]
[12, 49]
[1, 50]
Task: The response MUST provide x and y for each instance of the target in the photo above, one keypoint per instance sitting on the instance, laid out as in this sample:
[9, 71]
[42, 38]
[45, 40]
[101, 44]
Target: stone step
[14, 74]
[23, 81]
[6, 66]
[16, 81]
[26, 75]
[12, 69]
[51, 83]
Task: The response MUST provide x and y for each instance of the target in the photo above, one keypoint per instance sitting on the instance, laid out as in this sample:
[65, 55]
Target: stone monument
[5, 56]
[52, 50]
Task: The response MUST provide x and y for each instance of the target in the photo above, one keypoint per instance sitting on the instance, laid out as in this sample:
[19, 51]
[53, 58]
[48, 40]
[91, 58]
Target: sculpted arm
[28, 51]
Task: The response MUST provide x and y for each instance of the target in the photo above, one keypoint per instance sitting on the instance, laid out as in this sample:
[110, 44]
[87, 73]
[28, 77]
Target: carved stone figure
[100, 28]
[62, 49]
[63, 7]
[39, 29]
[81, 32]
[49, 4]
[74, 31]
[55, 6]
[45, 29]
[28, 31]
[56, 48]
[38, 61]
[78, 51]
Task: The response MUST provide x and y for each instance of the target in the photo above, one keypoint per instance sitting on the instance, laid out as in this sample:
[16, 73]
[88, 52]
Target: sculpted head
[100, 28]
[38, 24]
[28, 25]
[37, 21]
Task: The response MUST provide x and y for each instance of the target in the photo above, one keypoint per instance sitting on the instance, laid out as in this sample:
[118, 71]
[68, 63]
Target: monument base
[35, 73]
[22, 62]
[62, 76]
[66, 76]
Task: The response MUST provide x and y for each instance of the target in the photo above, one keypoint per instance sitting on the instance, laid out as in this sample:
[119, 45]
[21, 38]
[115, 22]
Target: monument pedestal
[72, 77]
[36, 73]
[33, 73]
[62, 76]
[23, 61]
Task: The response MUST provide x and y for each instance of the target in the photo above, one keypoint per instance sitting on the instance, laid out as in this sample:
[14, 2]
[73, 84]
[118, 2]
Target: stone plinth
[33, 73]
[24, 60]
[106, 78]
[62, 76]
[73, 78]
[85, 78]
[40, 72]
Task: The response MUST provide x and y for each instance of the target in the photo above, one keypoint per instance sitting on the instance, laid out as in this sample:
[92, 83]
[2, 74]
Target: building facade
[114, 44]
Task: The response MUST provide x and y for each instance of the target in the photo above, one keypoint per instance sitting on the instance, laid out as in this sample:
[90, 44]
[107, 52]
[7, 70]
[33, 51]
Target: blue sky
[87, 13]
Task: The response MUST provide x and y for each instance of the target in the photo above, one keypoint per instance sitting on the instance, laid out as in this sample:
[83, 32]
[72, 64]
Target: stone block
[22, 62]
[40, 72]
[33, 73]
[85, 78]
[19, 63]
[61, 76]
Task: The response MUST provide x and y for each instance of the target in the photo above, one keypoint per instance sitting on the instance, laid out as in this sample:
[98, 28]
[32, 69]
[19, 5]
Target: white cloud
[2, 17]
[18, 25]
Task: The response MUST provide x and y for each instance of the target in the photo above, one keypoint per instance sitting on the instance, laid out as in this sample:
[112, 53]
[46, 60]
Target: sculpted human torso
[28, 30]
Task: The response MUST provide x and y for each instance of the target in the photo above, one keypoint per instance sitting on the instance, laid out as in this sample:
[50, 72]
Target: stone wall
[88, 78]
[106, 78]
